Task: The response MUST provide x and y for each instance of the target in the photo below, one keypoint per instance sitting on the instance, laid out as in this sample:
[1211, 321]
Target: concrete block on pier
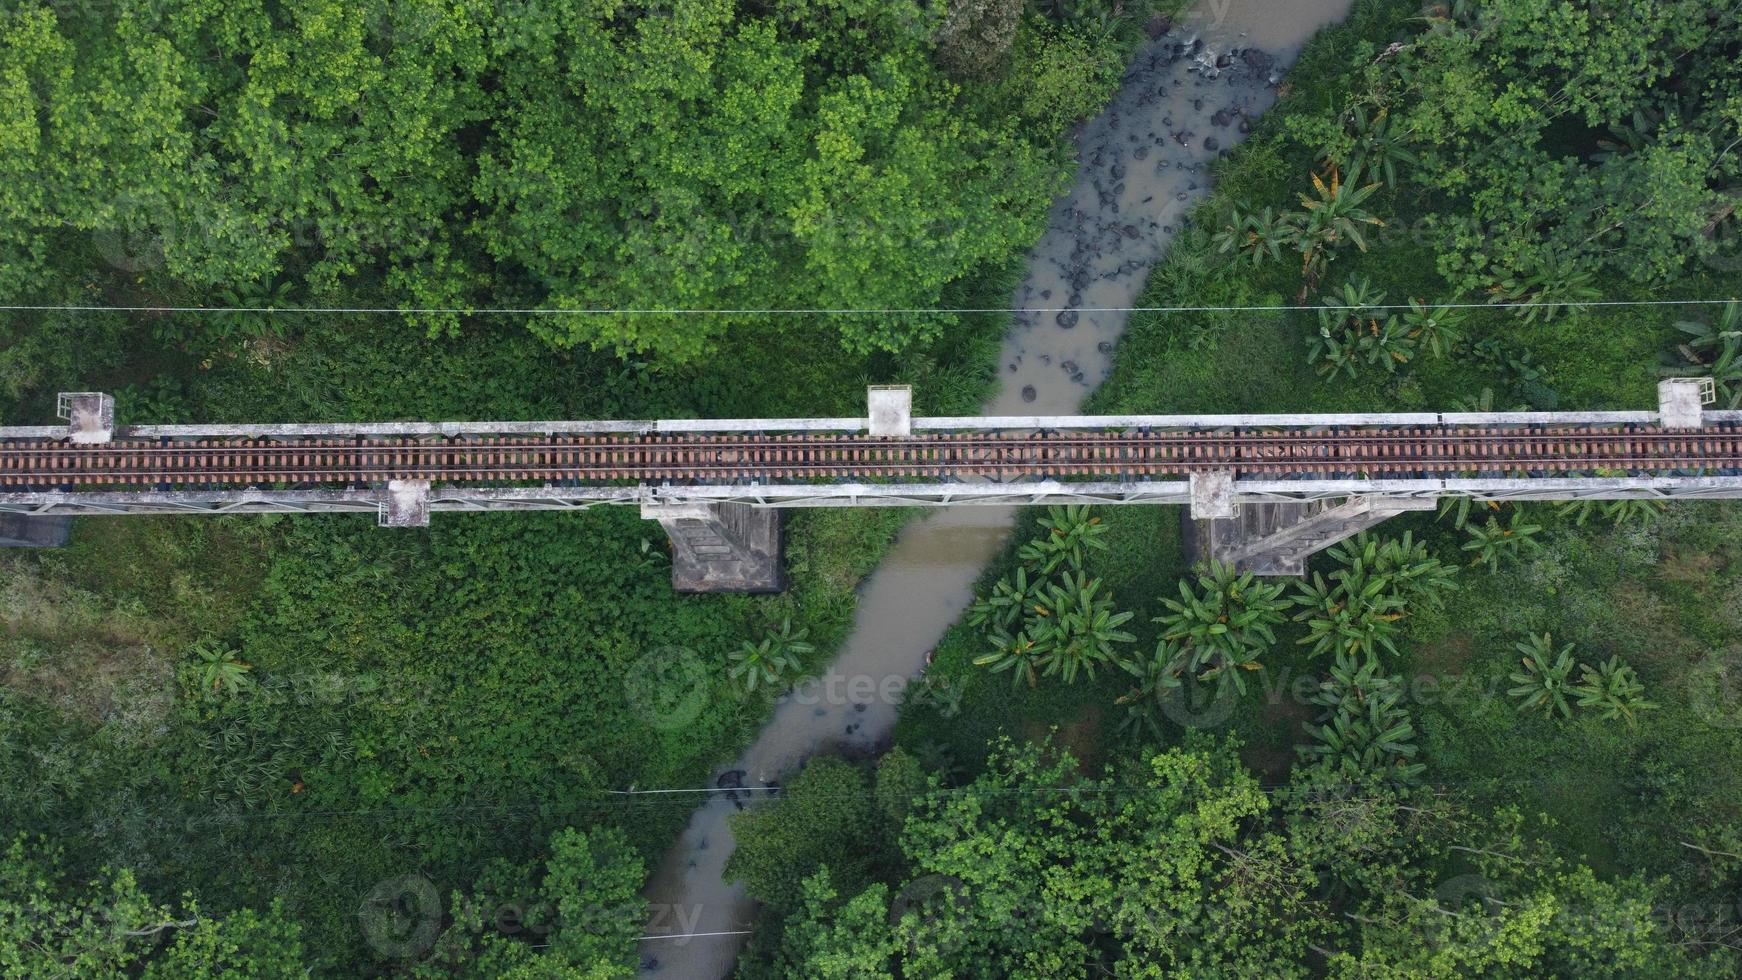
[405, 503]
[891, 410]
[1681, 401]
[1213, 495]
[90, 416]
[721, 547]
[33, 531]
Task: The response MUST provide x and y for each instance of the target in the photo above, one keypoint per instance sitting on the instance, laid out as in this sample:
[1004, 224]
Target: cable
[836, 311]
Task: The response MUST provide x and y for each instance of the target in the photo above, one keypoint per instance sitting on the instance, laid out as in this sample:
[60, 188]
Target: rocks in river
[1070, 367]
[1157, 26]
[1118, 188]
[1067, 319]
[1212, 144]
[1075, 300]
[1222, 117]
[1257, 60]
[1046, 359]
[858, 706]
[1077, 377]
[1118, 171]
[818, 713]
[1046, 294]
[731, 779]
[1012, 371]
[1223, 61]
[1197, 105]
[1130, 231]
[1141, 153]
[1180, 196]
[1029, 394]
[1167, 228]
[1105, 347]
[1245, 126]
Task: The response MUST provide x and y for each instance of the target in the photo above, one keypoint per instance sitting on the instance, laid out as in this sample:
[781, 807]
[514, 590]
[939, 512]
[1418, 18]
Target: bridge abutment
[727, 547]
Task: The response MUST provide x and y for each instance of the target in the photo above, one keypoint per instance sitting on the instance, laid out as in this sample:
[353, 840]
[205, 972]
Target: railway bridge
[1262, 491]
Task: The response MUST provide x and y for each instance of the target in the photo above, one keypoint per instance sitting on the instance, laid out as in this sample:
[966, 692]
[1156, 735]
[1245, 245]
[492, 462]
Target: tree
[826, 816]
[1220, 629]
[1612, 688]
[1543, 683]
[771, 661]
[108, 927]
[975, 36]
[1493, 543]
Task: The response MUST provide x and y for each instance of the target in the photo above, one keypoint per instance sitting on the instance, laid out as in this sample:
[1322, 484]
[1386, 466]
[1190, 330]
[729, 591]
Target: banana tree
[1613, 688]
[1067, 535]
[1542, 684]
[1076, 628]
[1224, 625]
[1256, 237]
[1494, 543]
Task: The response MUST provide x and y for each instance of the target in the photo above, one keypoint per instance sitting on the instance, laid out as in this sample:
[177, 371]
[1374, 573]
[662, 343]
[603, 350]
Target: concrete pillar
[721, 547]
[90, 416]
[1213, 495]
[891, 409]
[1681, 401]
[1277, 539]
[405, 503]
[35, 531]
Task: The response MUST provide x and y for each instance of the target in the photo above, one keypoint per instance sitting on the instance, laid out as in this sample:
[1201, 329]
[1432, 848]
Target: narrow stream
[1144, 162]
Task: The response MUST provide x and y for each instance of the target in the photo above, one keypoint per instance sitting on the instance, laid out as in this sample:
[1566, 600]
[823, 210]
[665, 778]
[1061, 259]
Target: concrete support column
[891, 410]
[405, 503]
[721, 547]
[32, 531]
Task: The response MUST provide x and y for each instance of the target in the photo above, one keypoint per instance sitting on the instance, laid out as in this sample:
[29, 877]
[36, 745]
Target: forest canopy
[549, 153]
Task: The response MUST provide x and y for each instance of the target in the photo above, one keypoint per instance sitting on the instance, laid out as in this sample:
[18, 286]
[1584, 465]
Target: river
[1143, 163]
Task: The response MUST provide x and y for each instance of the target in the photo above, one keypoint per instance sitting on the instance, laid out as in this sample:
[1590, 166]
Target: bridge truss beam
[514, 499]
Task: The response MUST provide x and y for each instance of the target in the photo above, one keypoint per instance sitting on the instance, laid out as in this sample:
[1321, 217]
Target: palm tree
[1543, 681]
[1069, 533]
[1355, 617]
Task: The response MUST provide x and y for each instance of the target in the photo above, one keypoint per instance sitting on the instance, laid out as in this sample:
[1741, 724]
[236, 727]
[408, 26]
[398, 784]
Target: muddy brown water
[1143, 163]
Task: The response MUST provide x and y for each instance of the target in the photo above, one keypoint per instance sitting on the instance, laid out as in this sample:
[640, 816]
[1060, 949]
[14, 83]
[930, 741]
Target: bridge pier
[727, 547]
[31, 531]
[1277, 539]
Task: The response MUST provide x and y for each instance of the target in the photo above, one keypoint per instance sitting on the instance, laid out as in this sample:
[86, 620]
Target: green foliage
[1493, 543]
[109, 927]
[579, 914]
[1714, 350]
[827, 815]
[217, 669]
[772, 661]
[1365, 730]
[1544, 682]
[1048, 617]
[1221, 628]
[1612, 688]
[1354, 615]
[1068, 535]
[975, 35]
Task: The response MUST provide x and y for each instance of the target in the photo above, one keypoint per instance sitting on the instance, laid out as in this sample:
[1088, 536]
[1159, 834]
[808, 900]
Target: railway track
[1429, 451]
